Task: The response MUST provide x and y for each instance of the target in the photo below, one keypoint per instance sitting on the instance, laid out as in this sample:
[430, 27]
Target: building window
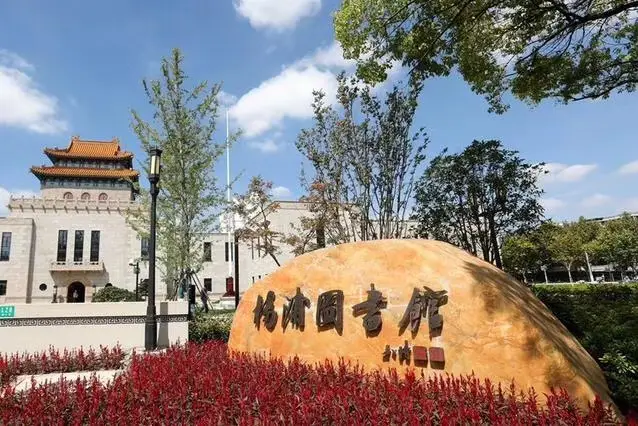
[227, 251]
[3, 288]
[62, 236]
[85, 196]
[252, 251]
[207, 253]
[103, 197]
[253, 279]
[68, 196]
[78, 248]
[208, 284]
[43, 287]
[144, 248]
[95, 246]
[5, 247]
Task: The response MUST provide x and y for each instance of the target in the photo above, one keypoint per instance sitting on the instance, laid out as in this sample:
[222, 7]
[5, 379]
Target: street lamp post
[136, 271]
[150, 325]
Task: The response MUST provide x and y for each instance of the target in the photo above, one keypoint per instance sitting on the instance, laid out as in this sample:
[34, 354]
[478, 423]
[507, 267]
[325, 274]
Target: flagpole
[230, 213]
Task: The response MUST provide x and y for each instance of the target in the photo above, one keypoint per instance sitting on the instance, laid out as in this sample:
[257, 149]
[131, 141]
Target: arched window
[68, 196]
[86, 196]
[103, 197]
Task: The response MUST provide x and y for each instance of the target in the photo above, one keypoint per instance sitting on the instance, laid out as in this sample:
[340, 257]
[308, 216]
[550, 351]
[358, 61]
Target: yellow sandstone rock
[492, 324]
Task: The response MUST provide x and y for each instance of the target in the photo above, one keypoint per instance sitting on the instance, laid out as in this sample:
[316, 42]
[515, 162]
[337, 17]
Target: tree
[474, 198]
[567, 247]
[183, 125]
[521, 255]
[587, 232]
[563, 49]
[618, 243]
[363, 161]
[254, 207]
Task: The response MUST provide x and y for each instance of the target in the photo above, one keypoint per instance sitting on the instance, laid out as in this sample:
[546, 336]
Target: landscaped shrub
[202, 384]
[54, 361]
[113, 294]
[212, 325]
[604, 318]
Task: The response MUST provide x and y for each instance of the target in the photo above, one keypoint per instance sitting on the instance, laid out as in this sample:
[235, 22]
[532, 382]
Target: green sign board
[7, 311]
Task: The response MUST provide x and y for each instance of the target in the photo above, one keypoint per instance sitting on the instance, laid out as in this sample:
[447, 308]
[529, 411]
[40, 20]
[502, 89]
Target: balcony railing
[77, 266]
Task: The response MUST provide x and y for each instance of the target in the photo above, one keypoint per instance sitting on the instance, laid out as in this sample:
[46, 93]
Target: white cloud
[278, 15]
[596, 200]
[289, 94]
[629, 168]
[226, 99]
[558, 172]
[281, 192]
[266, 146]
[552, 204]
[13, 60]
[5, 195]
[22, 104]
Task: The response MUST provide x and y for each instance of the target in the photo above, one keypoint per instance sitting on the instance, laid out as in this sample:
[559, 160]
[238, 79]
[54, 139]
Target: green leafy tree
[474, 198]
[618, 243]
[567, 247]
[521, 255]
[587, 234]
[363, 156]
[567, 50]
[182, 125]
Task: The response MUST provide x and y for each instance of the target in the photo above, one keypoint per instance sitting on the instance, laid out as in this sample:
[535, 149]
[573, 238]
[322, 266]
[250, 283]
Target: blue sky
[75, 68]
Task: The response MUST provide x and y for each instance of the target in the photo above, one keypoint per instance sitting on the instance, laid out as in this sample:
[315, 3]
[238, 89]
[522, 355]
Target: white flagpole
[229, 214]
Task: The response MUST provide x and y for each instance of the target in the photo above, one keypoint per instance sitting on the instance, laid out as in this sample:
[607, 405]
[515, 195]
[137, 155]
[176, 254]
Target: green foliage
[184, 120]
[567, 50]
[604, 318]
[113, 294]
[470, 198]
[521, 255]
[214, 325]
[618, 242]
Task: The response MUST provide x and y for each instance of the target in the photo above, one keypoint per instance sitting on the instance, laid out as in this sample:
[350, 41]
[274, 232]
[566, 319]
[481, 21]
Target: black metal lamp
[150, 325]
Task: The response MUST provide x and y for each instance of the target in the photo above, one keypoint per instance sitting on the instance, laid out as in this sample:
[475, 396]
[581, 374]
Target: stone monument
[413, 305]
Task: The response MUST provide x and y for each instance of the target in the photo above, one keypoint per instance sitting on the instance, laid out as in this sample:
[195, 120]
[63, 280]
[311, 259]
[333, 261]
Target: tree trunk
[494, 243]
[569, 272]
[591, 275]
[524, 277]
[545, 272]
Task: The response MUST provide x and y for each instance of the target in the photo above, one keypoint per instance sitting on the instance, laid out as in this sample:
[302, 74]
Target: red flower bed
[202, 384]
[54, 361]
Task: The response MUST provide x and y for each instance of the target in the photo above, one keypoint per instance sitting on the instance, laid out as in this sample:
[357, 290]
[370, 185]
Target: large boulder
[467, 317]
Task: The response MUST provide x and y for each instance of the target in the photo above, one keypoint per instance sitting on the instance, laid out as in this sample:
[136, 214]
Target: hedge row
[604, 318]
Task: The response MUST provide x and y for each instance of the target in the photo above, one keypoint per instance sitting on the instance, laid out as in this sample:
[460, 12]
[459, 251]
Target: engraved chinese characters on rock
[372, 308]
[424, 304]
[266, 310]
[330, 310]
[295, 311]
